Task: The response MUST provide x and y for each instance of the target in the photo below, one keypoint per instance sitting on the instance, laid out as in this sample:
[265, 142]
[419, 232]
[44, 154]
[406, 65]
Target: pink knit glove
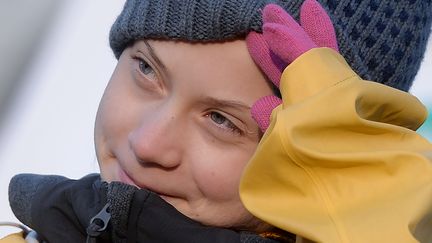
[282, 41]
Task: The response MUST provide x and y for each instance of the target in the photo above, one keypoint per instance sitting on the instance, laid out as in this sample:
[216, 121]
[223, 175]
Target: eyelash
[141, 62]
[230, 127]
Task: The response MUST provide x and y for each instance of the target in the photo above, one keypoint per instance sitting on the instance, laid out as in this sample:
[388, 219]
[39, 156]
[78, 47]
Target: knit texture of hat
[382, 40]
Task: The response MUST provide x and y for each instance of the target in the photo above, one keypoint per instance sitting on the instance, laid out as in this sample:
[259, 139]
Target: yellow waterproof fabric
[341, 161]
[13, 238]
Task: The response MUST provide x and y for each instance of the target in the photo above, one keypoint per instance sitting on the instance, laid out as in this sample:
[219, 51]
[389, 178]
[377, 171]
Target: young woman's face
[175, 119]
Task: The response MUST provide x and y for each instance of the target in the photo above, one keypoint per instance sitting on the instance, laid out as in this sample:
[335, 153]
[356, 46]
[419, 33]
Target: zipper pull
[98, 223]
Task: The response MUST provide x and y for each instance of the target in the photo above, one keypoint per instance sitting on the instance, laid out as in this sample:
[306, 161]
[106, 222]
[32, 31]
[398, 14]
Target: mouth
[124, 177]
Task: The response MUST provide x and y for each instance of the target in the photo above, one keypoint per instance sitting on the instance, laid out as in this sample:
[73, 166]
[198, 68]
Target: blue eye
[144, 67]
[218, 118]
[223, 122]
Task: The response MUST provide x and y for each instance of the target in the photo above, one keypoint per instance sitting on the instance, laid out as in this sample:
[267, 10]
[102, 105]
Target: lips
[125, 178]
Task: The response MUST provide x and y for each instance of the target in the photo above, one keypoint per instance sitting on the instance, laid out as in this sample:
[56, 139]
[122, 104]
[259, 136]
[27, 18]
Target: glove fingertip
[263, 57]
[262, 109]
[256, 43]
[273, 13]
[308, 4]
[277, 37]
[318, 25]
[253, 37]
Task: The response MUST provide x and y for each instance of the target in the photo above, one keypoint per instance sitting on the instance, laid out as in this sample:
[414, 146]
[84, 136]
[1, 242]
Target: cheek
[119, 108]
[107, 132]
[112, 117]
[116, 116]
[218, 173]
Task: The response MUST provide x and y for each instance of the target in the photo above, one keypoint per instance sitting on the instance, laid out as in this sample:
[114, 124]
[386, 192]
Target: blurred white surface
[20, 39]
[50, 128]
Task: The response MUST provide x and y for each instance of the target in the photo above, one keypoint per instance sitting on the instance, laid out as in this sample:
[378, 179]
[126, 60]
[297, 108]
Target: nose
[156, 140]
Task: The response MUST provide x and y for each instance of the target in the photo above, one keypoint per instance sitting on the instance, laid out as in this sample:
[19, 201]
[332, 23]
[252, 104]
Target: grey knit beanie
[382, 40]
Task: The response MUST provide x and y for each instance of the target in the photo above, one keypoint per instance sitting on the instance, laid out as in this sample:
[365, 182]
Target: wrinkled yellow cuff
[315, 70]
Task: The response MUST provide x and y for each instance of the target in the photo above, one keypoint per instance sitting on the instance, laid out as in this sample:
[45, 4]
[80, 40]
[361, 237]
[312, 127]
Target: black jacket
[89, 210]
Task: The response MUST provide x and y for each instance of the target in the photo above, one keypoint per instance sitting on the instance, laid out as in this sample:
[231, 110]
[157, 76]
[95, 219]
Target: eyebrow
[155, 57]
[234, 104]
[207, 100]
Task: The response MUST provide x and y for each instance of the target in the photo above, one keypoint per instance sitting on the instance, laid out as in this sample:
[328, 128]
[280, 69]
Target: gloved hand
[64, 210]
[341, 154]
[283, 40]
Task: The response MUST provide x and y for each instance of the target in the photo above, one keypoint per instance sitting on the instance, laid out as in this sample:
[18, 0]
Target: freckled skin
[158, 131]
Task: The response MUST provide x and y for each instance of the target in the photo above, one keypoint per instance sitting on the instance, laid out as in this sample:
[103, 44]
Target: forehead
[224, 68]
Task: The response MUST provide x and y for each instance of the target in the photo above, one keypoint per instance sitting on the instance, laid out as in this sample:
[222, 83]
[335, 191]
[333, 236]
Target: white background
[50, 128]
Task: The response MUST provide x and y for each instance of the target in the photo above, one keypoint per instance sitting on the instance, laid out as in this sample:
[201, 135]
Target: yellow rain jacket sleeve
[341, 161]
